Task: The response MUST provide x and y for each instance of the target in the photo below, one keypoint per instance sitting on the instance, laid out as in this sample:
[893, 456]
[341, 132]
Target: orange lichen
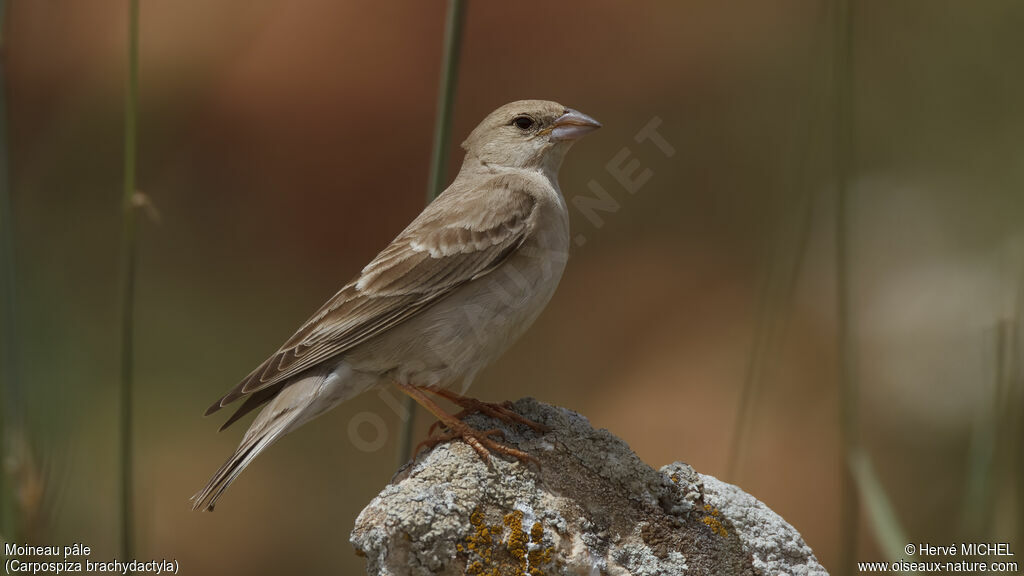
[525, 555]
[479, 542]
[713, 522]
[537, 533]
[538, 557]
[517, 539]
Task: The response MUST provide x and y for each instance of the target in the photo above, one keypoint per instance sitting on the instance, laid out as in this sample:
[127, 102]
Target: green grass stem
[881, 514]
[844, 163]
[10, 393]
[778, 289]
[1016, 408]
[439, 159]
[129, 251]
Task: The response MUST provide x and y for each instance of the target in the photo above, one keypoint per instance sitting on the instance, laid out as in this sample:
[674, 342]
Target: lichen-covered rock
[591, 508]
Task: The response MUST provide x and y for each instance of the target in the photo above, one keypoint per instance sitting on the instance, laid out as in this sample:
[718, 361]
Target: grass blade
[848, 394]
[881, 514]
[778, 289]
[439, 158]
[986, 439]
[129, 250]
[10, 393]
[1016, 408]
[446, 98]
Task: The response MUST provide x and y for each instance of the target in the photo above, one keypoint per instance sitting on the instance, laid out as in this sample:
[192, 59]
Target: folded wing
[448, 245]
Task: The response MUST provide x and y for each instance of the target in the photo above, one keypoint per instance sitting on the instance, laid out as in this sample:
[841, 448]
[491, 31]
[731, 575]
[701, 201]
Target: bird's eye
[522, 122]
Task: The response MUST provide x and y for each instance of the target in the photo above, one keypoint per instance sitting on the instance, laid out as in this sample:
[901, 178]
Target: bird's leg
[502, 411]
[480, 440]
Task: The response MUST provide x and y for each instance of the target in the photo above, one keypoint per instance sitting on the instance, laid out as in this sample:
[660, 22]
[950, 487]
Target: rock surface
[592, 508]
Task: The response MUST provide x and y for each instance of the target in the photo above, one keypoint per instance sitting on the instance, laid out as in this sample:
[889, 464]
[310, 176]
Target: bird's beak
[573, 125]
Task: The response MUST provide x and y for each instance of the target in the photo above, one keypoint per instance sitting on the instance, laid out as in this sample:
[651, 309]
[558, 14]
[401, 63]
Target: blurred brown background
[271, 136]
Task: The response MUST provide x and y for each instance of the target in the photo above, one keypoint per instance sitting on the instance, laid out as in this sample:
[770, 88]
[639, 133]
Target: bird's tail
[254, 442]
[294, 405]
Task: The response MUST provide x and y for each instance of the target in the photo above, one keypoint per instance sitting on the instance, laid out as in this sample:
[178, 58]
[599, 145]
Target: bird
[443, 300]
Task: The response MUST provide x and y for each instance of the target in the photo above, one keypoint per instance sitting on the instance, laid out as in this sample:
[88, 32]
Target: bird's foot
[502, 411]
[479, 440]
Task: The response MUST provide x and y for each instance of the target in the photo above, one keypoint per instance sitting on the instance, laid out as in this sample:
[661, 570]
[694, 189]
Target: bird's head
[528, 134]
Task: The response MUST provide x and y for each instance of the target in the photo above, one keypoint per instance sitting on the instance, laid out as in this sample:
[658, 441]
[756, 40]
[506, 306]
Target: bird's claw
[480, 440]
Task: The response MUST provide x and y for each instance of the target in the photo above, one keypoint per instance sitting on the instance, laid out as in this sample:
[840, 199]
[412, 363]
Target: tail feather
[251, 446]
[292, 405]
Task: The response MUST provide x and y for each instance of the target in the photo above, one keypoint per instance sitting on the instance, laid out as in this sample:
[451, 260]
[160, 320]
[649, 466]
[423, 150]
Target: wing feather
[461, 236]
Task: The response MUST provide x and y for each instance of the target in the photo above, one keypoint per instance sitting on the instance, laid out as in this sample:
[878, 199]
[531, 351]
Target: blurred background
[283, 144]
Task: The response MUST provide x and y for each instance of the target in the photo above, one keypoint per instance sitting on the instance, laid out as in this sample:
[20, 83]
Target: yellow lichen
[537, 533]
[477, 518]
[537, 556]
[517, 539]
[713, 522]
[524, 549]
